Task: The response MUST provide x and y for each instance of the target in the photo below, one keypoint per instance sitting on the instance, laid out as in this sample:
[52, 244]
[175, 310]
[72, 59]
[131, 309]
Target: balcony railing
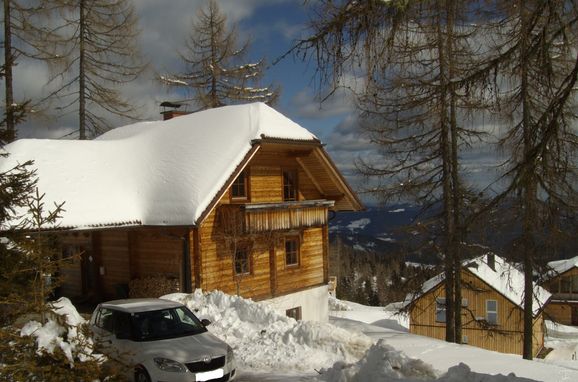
[240, 219]
[565, 296]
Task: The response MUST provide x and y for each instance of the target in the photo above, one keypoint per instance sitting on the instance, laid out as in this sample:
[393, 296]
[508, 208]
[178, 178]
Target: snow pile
[265, 340]
[62, 333]
[556, 330]
[383, 363]
[338, 305]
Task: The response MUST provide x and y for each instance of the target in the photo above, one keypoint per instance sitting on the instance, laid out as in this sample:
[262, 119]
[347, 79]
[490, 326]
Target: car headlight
[230, 354]
[166, 364]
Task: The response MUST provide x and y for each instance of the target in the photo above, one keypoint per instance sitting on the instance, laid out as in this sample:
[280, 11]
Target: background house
[234, 198]
[562, 282]
[492, 307]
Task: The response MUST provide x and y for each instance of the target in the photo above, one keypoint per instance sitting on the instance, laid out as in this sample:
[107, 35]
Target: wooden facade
[498, 329]
[563, 307]
[258, 223]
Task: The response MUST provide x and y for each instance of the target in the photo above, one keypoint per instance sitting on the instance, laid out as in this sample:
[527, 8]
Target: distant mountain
[381, 230]
[377, 229]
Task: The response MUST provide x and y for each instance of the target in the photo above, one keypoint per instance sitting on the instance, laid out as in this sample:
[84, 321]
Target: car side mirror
[205, 322]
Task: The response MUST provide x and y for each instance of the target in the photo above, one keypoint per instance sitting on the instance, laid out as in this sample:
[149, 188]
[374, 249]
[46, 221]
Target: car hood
[183, 349]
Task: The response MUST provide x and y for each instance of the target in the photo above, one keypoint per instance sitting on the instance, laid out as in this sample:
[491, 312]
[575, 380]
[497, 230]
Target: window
[492, 312]
[239, 186]
[242, 262]
[122, 325]
[441, 309]
[294, 313]
[289, 185]
[292, 251]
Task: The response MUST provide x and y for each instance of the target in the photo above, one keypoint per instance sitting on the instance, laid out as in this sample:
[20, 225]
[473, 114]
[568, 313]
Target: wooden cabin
[492, 307]
[236, 199]
[562, 282]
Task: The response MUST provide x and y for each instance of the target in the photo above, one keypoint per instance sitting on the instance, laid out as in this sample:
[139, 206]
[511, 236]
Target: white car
[161, 340]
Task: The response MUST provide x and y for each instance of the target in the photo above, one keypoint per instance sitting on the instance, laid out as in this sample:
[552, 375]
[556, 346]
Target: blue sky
[273, 26]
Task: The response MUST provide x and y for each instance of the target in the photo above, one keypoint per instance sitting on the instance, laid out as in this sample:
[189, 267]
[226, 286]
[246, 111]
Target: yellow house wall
[505, 337]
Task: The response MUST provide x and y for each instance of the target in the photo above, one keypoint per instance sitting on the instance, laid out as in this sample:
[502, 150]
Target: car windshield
[166, 323]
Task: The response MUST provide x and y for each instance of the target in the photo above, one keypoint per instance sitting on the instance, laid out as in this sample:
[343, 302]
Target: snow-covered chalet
[492, 307]
[562, 282]
[234, 198]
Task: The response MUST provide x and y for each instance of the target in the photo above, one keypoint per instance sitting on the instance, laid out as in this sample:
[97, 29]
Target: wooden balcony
[242, 219]
[568, 297]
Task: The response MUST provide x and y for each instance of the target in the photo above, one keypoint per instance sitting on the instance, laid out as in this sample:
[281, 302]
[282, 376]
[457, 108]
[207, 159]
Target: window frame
[296, 252]
[247, 261]
[440, 308]
[105, 320]
[290, 189]
[295, 313]
[491, 311]
[244, 175]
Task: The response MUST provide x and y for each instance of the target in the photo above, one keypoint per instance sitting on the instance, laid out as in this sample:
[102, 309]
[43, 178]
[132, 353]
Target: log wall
[74, 245]
[114, 249]
[269, 276]
[561, 311]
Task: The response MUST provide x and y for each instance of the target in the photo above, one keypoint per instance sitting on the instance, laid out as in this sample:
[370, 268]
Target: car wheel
[141, 375]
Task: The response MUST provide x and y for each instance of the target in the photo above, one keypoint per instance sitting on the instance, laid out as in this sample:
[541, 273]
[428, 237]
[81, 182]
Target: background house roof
[560, 266]
[150, 173]
[503, 277]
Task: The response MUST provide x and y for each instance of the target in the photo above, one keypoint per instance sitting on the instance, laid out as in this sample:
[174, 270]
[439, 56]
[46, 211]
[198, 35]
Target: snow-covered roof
[560, 266]
[150, 173]
[503, 277]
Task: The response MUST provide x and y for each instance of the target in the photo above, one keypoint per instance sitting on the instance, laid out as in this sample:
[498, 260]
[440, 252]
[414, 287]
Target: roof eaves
[266, 139]
[324, 156]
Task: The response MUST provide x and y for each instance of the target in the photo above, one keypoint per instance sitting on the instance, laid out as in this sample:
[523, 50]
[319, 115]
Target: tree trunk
[529, 187]
[456, 187]
[8, 62]
[446, 189]
[81, 74]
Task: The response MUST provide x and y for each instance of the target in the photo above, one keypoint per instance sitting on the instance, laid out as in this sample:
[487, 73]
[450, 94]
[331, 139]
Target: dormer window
[239, 188]
[289, 185]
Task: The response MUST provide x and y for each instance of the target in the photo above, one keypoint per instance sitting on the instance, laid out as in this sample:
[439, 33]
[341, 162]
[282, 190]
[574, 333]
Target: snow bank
[62, 331]
[338, 305]
[383, 363]
[556, 330]
[265, 340]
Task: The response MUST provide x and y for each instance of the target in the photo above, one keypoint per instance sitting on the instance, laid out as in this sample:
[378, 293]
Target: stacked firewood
[153, 286]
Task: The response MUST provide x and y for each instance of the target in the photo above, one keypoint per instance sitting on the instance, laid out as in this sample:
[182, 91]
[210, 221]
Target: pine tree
[216, 71]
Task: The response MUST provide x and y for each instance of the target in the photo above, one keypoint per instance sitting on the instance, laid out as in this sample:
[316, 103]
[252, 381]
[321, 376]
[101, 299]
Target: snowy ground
[359, 344]
[384, 323]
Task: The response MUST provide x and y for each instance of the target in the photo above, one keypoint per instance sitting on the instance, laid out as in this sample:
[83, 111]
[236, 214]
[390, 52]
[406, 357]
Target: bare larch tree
[537, 68]
[98, 53]
[217, 73]
[418, 62]
[25, 36]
